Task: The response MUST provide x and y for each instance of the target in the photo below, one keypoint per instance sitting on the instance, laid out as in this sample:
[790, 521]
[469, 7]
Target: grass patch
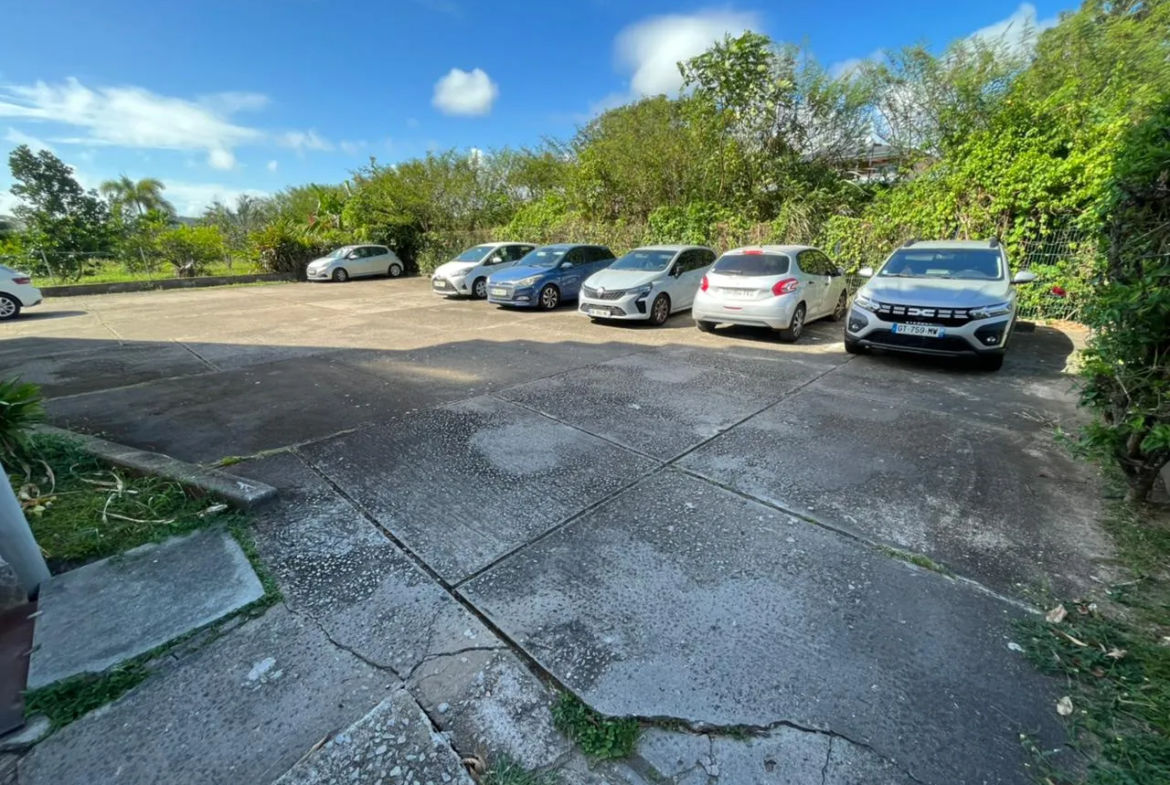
[917, 559]
[598, 736]
[81, 510]
[505, 771]
[1116, 664]
[113, 272]
[73, 698]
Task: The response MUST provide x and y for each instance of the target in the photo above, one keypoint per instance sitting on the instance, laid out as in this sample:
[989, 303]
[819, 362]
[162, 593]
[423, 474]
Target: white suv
[16, 292]
[947, 297]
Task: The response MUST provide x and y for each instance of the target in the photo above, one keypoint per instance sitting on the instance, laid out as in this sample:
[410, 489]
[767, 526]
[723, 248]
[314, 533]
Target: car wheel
[9, 307]
[660, 310]
[796, 328]
[395, 270]
[842, 308]
[479, 288]
[550, 297]
[853, 347]
[340, 275]
[705, 327]
[991, 362]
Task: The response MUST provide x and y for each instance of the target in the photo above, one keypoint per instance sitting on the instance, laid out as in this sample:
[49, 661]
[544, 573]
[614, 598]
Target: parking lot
[673, 524]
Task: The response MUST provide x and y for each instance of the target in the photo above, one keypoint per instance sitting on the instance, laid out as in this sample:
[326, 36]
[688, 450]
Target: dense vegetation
[1063, 136]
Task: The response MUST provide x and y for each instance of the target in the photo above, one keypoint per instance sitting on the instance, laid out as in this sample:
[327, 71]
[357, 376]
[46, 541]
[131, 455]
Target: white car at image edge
[16, 293]
[467, 274]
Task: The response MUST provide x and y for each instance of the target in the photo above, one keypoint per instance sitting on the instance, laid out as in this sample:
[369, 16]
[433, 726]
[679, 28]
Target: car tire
[9, 307]
[842, 307]
[795, 329]
[990, 362]
[395, 270]
[340, 275]
[479, 288]
[853, 347]
[660, 310]
[550, 298]
[705, 327]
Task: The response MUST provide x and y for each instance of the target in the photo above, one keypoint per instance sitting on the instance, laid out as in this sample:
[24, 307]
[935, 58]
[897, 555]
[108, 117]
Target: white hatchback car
[647, 284]
[16, 292]
[468, 272]
[781, 287]
[355, 261]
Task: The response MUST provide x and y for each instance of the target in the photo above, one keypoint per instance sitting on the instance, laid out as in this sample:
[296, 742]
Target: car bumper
[774, 313]
[982, 337]
[517, 298]
[319, 275]
[631, 307]
[447, 287]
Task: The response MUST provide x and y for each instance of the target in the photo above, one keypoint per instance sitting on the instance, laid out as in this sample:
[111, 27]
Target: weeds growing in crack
[598, 736]
[506, 771]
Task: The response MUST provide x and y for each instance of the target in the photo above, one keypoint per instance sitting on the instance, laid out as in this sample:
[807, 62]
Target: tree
[191, 248]
[137, 197]
[60, 217]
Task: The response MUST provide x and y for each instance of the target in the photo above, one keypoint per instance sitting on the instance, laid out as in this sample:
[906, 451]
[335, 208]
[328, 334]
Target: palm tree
[143, 196]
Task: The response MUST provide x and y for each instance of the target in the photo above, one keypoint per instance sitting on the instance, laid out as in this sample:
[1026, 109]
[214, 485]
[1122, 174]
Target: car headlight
[865, 301]
[529, 281]
[642, 291]
[987, 311]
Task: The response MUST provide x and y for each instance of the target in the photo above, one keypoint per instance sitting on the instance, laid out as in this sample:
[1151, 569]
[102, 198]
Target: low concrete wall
[76, 290]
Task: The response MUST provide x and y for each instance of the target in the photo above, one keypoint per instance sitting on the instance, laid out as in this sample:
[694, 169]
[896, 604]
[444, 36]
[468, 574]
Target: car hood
[621, 279]
[322, 261]
[937, 292]
[516, 273]
[454, 268]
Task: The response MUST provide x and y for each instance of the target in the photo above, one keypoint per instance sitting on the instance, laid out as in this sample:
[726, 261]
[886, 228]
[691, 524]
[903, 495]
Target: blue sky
[220, 97]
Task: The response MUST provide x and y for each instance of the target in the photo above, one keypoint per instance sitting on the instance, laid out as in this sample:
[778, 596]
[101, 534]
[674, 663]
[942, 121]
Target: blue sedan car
[548, 275]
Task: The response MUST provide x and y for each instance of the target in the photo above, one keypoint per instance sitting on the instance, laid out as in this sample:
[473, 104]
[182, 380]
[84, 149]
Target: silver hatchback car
[355, 261]
[781, 287]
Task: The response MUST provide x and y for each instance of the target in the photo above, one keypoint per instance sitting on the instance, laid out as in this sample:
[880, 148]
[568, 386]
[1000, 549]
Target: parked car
[16, 293]
[355, 261]
[781, 287]
[468, 272]
[946, 297]
[647, 284]
[547, 276]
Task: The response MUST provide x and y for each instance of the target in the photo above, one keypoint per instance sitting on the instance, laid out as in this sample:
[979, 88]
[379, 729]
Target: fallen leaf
[1165, 640]
[214, 509]
[1013, 646]
[1100, 674]
[1116, 653]
[1064, 706]
[1056, 615]
[1072, 639]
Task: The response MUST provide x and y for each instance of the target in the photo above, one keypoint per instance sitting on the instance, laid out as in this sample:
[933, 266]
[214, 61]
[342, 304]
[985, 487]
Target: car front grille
[607, 294]
[900, 314]
[897, 340]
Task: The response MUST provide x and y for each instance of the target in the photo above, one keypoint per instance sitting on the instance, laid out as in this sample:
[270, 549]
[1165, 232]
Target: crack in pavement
[338, 644]
[828, 759]
[444, 654]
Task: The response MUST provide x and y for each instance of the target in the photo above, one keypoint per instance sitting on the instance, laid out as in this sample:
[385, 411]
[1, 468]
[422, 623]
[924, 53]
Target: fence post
[18, 547]
[52, 273]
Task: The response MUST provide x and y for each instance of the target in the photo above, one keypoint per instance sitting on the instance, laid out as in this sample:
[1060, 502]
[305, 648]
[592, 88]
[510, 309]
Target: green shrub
[283, 247]
[189, 249]
[598, 736]
[20, 409]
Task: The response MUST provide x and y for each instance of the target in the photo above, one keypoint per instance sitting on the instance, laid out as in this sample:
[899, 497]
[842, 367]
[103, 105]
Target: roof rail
[993, 242]
[910, 242]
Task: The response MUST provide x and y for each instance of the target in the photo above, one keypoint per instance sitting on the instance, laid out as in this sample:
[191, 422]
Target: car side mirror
[1024, 276]
[566, 265]
[866, 272]
[838, 272]
[351, 255]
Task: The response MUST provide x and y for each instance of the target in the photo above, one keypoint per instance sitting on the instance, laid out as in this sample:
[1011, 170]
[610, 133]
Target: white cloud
[303, 140]
[466, 93]
[846, 67]
[8, 202]
[1017, 32]
[18, 138]
[652, 49]
[191, 199]
[222, 159]
[353, 148]
[273, 166]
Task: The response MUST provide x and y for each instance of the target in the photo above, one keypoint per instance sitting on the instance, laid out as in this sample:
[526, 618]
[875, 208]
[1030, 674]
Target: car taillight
[785, 286]
[703, 286]
[22, 279]
[752, 252]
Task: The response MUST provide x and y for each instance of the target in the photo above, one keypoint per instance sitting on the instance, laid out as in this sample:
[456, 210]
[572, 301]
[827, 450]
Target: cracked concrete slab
[393, 743]
[240, 711]
[654, 403]
[464, 484]
[687, 601]
[1011, 510]
[336, 567]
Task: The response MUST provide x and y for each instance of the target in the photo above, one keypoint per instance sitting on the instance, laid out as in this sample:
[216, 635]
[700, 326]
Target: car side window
[704, 257]
[810, 263]
[574, 256]
[517, 252]
[498, 256]
[686, 262]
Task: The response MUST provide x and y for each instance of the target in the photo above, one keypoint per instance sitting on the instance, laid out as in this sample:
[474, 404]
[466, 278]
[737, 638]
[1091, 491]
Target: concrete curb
[240, 493]
[77, 290]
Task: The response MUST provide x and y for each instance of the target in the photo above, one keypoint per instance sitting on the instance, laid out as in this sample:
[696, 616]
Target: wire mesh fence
[61, 268]
[1065, 263]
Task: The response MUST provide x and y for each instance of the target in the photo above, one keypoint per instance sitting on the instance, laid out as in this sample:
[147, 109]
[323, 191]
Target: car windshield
[645, 261]
[976, 264]
[474, 254]
[340, 252]
[752, 264]
[543, 257]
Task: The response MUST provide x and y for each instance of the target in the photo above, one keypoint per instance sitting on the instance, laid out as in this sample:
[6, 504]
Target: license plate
[597, 312]
[924, 330]
[439, 284]
[739, 294]
[499, 292]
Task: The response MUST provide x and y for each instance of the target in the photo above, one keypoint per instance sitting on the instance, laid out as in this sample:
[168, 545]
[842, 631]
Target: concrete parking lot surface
[674, 525]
